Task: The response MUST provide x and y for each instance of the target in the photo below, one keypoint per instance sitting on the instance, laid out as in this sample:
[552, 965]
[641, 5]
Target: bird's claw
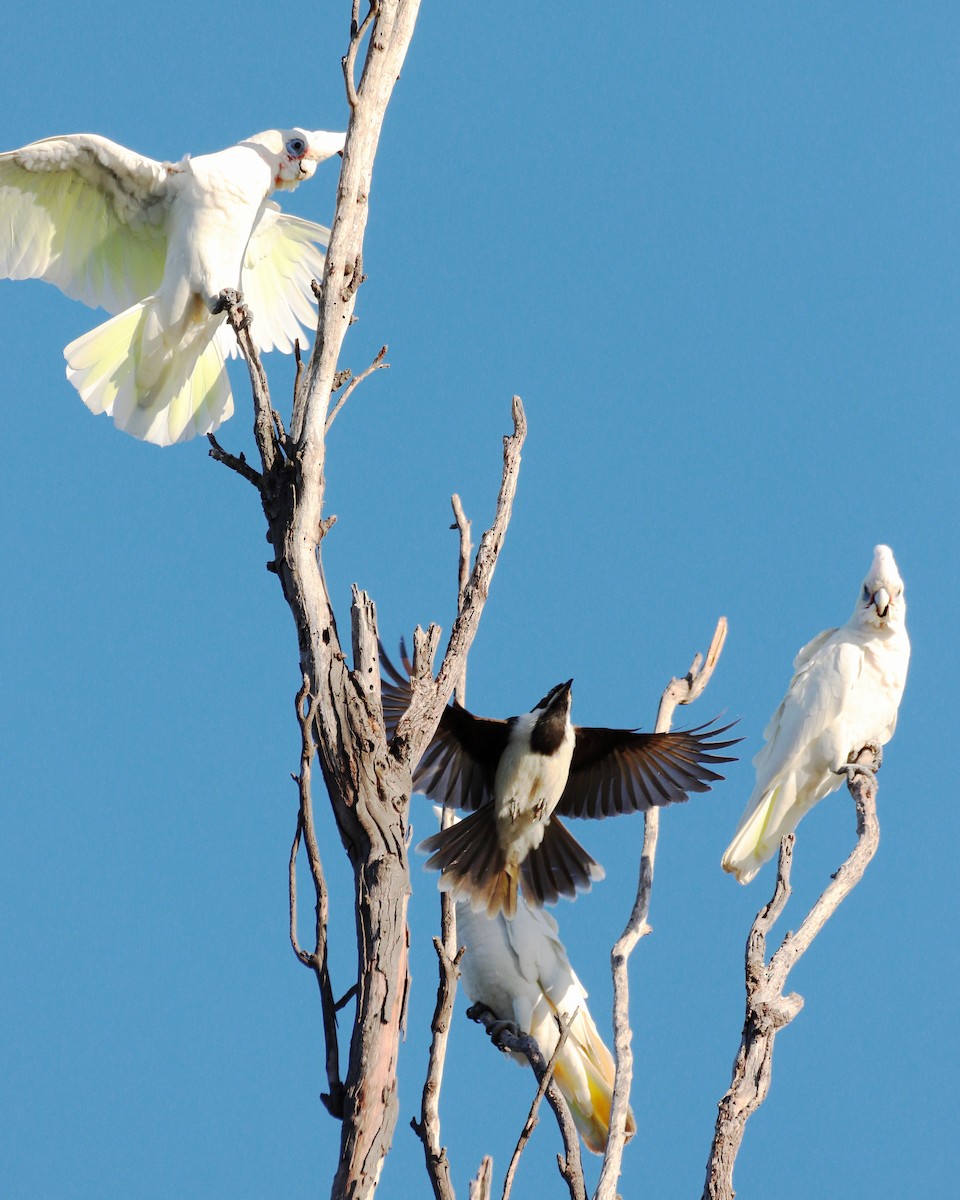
[852, 768]
[499, 1029]
[228, 298]
[231, 302]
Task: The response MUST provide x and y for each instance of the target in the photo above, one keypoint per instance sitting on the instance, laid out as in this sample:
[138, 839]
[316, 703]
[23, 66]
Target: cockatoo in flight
[156, 243]
[518, 969]
[844, 695]
[517, 777]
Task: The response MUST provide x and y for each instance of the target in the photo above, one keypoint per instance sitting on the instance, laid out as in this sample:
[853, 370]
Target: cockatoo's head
[294, 153]
[881, 604]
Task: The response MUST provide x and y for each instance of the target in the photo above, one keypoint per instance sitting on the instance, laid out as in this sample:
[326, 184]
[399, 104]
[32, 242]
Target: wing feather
[458, 767]
[621, 770]
[284, 255]
[87, 215]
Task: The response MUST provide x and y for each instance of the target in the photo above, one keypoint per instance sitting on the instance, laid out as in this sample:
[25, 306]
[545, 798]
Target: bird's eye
[296, 147]
[866, 592]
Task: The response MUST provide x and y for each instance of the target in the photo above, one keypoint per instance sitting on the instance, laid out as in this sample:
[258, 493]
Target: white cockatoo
[156, 243]
[517, 967]
[844, 695]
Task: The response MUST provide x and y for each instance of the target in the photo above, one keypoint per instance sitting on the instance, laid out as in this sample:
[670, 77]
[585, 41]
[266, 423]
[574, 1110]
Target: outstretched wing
[87, 215]
[284, 255]
[459, 765]
[622, 771]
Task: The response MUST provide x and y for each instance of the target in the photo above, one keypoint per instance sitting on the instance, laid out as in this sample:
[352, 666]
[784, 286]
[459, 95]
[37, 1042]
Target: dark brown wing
[460, 763]
[622, 771]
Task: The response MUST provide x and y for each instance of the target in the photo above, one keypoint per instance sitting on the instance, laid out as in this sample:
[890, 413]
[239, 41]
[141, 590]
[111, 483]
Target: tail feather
[559, 866]
[767, 820]
[584, 1072]
[471, 863]
[189, 392]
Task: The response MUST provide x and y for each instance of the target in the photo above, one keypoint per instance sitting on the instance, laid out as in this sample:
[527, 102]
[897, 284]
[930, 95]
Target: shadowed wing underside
[622, 771]
[613, 770]
[459, 765]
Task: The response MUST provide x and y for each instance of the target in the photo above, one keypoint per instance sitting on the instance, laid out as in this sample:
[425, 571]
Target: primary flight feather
[517, 777]
[155, 243]
[844, 694]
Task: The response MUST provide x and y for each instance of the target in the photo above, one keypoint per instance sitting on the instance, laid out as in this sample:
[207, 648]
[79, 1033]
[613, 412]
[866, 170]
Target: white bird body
[518, 968]
[845, 693]
[528, 786]
[156, 243]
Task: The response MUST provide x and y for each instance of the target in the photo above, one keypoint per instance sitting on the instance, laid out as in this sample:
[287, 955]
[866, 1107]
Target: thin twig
[532, 1119]
[678, 691]
[463, 580]
[357, 32]
[767, 1009]
[506, 1036]
[317, 961]
[236, 462]
[417, 724]
[377, 365]
[428, 1127]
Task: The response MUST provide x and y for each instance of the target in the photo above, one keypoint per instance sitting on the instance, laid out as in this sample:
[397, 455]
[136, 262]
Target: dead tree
[368, 780]
[338, 704]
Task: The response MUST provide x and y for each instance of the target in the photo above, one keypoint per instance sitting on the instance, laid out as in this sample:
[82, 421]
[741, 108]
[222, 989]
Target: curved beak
[881, 602]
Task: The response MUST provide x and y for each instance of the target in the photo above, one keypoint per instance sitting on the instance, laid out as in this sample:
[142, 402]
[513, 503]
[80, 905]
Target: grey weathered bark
[767, 1009]
[339, 704]
[678, 691]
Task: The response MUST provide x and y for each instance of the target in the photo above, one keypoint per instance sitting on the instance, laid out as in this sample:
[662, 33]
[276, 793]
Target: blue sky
[715, 251]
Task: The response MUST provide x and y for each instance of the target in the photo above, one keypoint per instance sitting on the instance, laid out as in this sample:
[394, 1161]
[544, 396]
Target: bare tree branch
[317, 961]
[377, 365]
[236, 462]
[463, 580]
[506, 1036]
[428, 1127]
[264, 427]
[417, 725]
[368, 782]
[481, 1187]
[678, 691]
[767, 1008]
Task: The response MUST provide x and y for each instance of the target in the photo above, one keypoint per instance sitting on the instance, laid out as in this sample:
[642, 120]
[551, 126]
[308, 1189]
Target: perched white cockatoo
[517, 967]
[844, 695]
[156, 243]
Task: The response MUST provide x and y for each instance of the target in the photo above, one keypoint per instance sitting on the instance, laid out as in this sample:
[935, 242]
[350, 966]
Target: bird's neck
[547, 734]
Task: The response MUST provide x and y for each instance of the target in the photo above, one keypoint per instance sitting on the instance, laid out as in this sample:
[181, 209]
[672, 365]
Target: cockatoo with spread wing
[156, 243]
[518, 968]
[844, 695]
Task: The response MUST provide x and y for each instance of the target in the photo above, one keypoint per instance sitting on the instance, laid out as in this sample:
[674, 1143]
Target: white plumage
[518, 968]
[155, 244]
[844, 694]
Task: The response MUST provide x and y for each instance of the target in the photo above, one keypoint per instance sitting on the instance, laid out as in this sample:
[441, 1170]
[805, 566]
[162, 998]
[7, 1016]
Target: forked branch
[767, 1009]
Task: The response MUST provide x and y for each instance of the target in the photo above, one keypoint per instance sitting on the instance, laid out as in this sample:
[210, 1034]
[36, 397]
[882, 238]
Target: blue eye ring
[297, 147]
